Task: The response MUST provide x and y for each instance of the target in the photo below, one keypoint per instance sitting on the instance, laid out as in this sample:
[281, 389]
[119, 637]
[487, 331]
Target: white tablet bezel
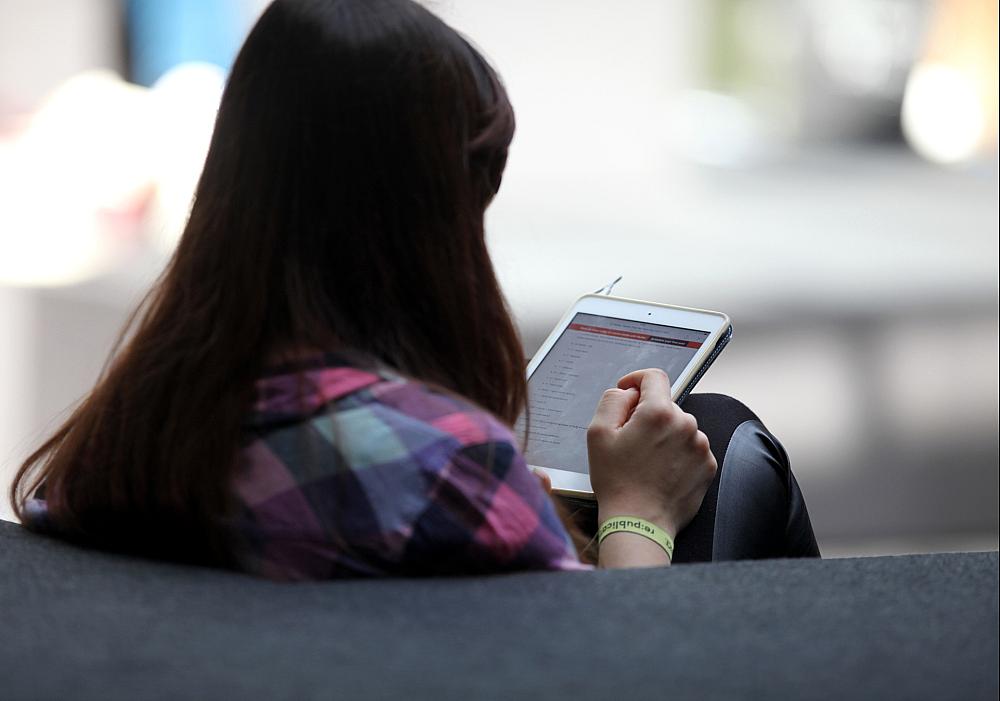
[715, 323]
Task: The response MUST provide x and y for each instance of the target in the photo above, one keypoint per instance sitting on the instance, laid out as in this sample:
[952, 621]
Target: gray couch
[76, 624]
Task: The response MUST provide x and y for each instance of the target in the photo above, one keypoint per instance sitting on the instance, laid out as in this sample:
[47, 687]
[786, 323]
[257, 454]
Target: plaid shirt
[351, 472]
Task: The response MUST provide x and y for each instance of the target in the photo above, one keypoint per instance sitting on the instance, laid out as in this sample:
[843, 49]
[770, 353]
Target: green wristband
[640, 526]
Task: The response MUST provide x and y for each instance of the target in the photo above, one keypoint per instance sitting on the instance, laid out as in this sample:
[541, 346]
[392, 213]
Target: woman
[323, 381]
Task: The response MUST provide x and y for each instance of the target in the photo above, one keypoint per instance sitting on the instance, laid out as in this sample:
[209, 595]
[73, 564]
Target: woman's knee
[752, 505]
[718, 417]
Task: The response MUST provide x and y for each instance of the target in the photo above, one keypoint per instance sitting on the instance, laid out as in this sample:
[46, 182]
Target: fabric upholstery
[86, 625]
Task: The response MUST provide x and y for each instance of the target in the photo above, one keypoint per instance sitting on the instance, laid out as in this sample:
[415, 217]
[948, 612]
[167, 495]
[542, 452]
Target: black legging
[754, 508]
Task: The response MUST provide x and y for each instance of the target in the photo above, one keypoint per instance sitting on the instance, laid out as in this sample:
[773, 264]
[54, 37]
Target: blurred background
[824, 172]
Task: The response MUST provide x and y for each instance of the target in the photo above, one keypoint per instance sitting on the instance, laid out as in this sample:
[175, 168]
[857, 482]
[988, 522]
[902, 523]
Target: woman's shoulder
[366, 410]
[441, 411]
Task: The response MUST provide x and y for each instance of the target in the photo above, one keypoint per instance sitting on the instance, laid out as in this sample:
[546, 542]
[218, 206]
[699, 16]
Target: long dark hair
[357, 145]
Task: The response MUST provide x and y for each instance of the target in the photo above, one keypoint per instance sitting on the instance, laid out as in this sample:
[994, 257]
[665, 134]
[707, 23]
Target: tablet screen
[589, 357]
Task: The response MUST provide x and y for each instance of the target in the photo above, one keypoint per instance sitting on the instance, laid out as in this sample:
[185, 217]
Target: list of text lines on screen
[590, 356]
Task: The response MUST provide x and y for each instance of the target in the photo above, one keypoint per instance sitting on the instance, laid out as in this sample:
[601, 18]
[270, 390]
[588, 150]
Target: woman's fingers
[655, 406]
[652, 383]
[544, 480]
[613, 410]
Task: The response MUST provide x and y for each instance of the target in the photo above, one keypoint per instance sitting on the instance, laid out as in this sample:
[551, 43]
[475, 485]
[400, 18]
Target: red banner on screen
[633, 336]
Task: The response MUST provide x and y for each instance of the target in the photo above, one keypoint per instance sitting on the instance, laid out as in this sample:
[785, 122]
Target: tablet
[599, 340]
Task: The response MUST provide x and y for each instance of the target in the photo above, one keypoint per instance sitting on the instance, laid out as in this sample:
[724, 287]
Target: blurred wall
[43, 42]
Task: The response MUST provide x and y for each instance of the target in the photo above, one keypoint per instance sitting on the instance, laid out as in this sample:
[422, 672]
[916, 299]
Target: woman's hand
[647, 459]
